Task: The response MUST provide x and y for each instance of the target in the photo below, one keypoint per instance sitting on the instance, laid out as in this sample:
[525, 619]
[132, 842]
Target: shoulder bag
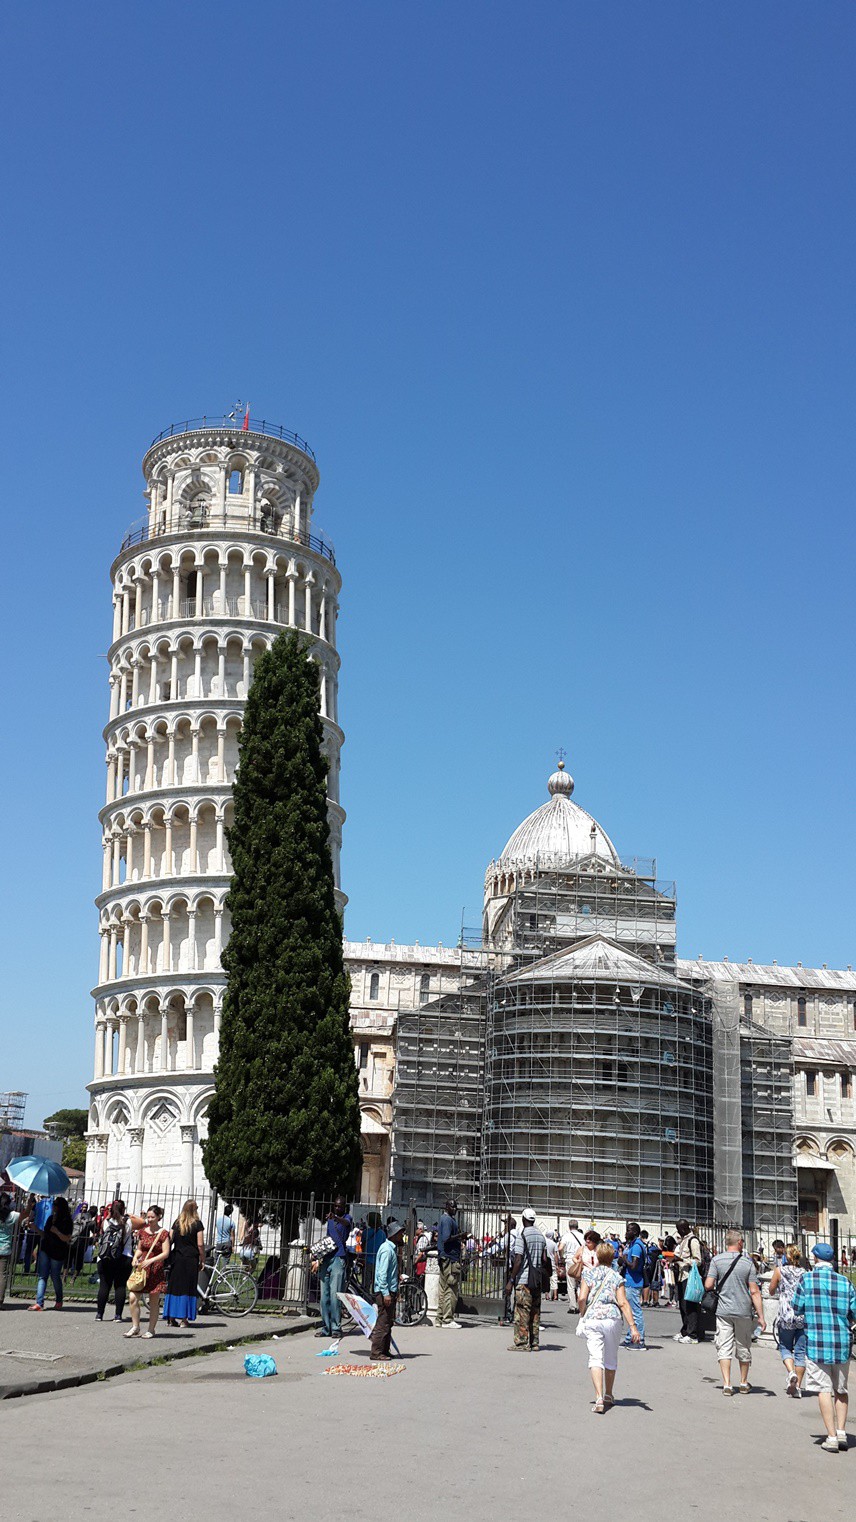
[137, 1276]
[539, 1278]
[710, 1299]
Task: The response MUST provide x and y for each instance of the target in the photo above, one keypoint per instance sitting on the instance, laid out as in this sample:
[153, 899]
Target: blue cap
[823, 1251]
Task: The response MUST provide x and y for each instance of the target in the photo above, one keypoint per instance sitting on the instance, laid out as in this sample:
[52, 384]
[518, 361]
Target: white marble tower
[224, 560]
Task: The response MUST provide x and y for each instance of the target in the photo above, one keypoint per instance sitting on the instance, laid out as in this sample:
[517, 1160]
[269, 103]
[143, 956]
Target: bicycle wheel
[235, 1293]
[412, 1306]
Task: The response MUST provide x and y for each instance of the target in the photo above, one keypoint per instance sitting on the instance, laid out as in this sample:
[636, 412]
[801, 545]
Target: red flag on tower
[245, 426]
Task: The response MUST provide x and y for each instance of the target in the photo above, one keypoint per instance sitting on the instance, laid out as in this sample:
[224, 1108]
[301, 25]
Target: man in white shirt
[570, 1244]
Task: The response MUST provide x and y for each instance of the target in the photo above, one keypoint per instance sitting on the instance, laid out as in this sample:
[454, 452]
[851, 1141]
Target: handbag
[137, 1276]
[710, 1299]
[695, 1285]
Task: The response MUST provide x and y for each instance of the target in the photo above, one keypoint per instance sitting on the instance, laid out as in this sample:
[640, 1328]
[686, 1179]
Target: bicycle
[412, 1308]
[229, 1289]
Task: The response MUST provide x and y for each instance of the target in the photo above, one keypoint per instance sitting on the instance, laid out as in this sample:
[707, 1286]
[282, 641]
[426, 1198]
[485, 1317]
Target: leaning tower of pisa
[225, 559]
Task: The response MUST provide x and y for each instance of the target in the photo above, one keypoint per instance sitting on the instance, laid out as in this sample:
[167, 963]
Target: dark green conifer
[285, 1117]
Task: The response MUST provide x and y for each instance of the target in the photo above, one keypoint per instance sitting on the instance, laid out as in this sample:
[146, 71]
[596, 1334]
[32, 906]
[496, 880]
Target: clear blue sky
[563, 297]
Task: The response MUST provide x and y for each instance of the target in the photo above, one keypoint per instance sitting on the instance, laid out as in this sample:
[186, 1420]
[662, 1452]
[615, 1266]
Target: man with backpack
[527, 1277]
[651, 1292]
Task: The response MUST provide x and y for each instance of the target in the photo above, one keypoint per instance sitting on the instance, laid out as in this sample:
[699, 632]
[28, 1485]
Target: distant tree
[285, 1115]
[66, 1122]
[74, 1153]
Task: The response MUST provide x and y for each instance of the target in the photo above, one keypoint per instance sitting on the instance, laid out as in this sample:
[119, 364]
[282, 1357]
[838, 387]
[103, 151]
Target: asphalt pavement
[466, 1428]
[40, 1350]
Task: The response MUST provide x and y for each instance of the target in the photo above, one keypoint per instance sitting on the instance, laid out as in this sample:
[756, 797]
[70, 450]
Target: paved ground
[38, 1349]
[467, 1428]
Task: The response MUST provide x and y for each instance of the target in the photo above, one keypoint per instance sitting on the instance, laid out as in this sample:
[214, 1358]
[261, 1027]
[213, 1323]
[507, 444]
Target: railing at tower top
[234, 425]
[144, 530]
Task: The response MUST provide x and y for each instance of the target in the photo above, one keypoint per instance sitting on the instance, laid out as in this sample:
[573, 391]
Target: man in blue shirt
[827, 1301]
[449, 1260]
[386, 1292]
[634, 1260]
[224, 1232]
[333, 1272]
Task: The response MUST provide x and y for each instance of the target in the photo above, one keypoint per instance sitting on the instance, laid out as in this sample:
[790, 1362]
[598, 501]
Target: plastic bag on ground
[259, 1365]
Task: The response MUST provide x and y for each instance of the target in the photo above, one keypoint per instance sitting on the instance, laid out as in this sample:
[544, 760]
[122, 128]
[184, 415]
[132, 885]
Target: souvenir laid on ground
[331, 1352]
[367, 1370]
[259, 1365]
[364, 1314]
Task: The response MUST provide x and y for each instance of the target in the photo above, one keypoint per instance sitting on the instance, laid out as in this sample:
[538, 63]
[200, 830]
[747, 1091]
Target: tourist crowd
[609, 1282]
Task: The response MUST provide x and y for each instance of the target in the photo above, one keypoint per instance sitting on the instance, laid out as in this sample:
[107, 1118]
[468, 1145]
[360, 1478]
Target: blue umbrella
[40, 1175]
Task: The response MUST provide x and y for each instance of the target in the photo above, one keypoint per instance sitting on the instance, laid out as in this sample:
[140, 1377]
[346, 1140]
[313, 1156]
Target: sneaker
[842, 1441]
[456, 1324]
[744, 1387]
[99, 1318]
[517, 1347]
[830, 1445]
[791, 1386]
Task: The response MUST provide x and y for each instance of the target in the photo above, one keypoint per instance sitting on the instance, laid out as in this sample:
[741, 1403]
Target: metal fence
[274, 1239]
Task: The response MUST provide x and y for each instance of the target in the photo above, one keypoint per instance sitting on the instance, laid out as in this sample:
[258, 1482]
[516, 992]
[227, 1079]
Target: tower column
[190, 1058]
[100, 1027]
[135, 1175]
[188, 1137]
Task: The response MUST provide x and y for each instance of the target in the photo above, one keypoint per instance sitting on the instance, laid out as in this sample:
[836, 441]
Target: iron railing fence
[208, 518]
[233, 423]
[273, 1239]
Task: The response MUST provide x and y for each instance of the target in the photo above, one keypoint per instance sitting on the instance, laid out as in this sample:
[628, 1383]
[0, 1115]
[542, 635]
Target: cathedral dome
[558, 833]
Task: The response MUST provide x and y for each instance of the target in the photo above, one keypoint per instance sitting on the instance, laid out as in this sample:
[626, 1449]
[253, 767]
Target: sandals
[148, 1334]
[134, 1332]
[598, 1408]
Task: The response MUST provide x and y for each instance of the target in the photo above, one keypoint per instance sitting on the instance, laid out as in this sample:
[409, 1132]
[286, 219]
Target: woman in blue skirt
[187, 1257]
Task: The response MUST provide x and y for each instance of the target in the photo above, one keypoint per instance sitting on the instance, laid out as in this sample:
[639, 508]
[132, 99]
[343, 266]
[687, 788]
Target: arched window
[374, 985]
[424, 988]
[236, 483]
[747, 1006]
[801, 1010]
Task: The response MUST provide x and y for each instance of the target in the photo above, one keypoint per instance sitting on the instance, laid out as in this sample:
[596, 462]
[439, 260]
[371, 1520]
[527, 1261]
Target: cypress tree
[285, 1116]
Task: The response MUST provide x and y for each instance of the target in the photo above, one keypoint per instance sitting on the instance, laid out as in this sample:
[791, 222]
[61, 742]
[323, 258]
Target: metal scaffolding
[598, 1098]
[12, 1108]
[769, 1176]
[439, 1083]
[572, 1066]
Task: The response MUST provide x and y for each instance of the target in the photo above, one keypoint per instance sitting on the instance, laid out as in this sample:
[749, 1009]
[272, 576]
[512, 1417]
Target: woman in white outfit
[603, 1303]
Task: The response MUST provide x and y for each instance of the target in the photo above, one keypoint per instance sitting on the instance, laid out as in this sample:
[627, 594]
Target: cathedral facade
[569, 1058]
